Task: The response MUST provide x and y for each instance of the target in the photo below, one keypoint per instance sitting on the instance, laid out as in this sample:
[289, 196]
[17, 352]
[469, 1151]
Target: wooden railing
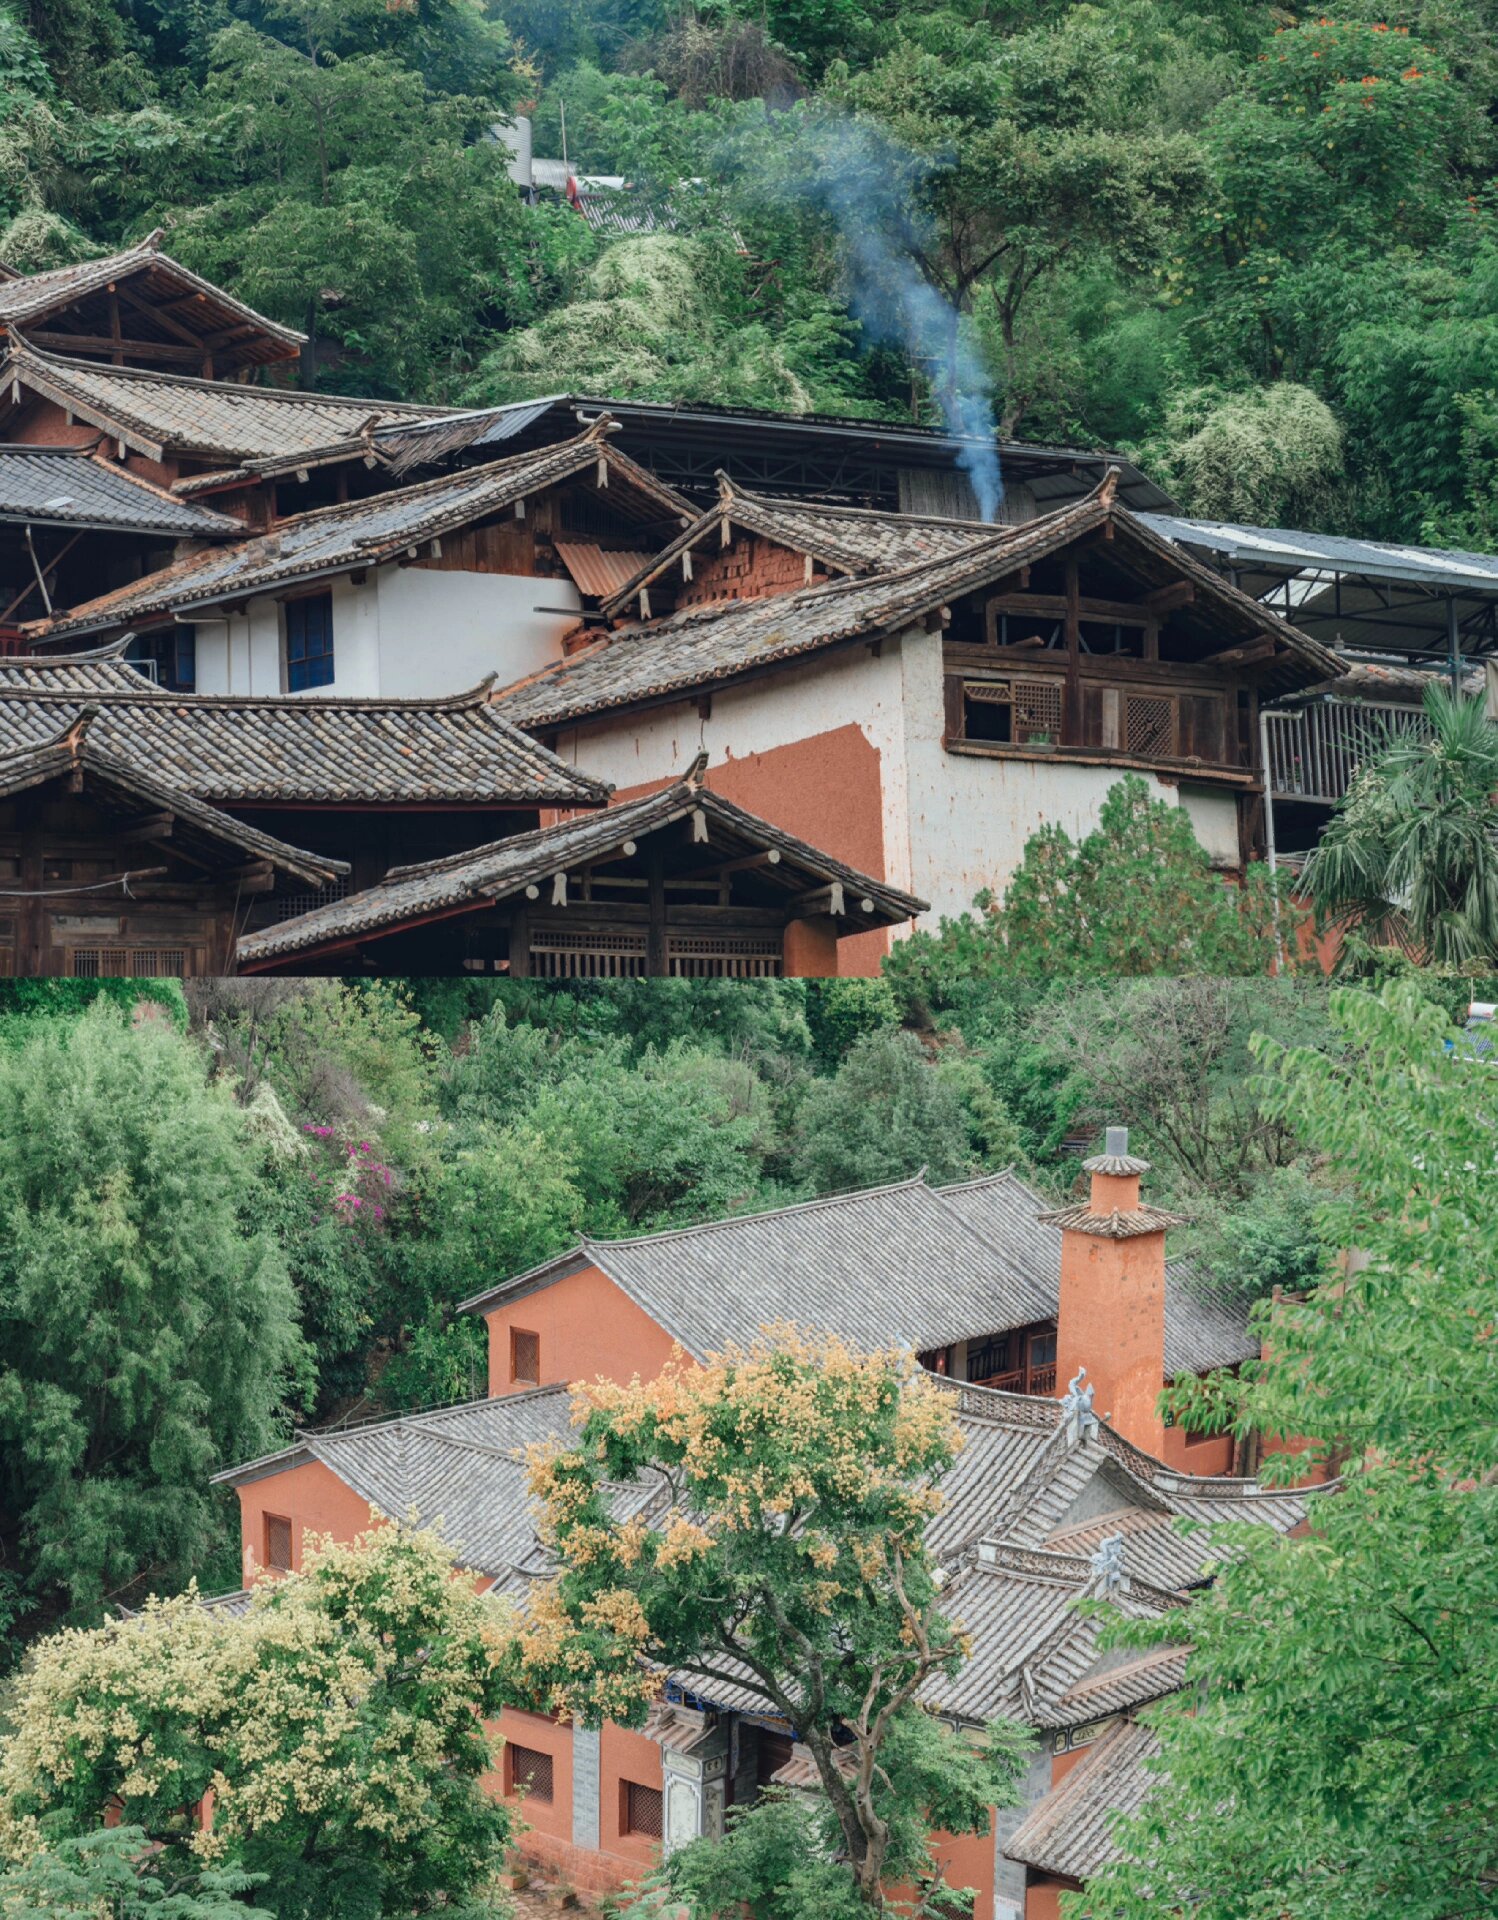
[1314, 751]
[1040, 1381]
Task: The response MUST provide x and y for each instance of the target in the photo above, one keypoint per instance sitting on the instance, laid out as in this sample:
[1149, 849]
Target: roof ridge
[762, 1213]
[20, 347]
[448, 862]
[474, 698]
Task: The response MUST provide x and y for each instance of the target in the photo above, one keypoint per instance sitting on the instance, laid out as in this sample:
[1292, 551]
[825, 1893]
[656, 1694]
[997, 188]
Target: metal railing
[1313, 752]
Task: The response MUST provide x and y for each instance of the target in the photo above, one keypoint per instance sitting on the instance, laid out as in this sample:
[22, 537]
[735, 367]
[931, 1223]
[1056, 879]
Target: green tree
[1410, 857]
[339, 1725]
[887, 1112]
[801, 1477]
[150, 1331]
[1335, 1757]
[116, 1872]
[1137, 895]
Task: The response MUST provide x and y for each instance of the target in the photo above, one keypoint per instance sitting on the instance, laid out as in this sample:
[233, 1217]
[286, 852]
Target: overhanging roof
[71, 487]
[485, 875]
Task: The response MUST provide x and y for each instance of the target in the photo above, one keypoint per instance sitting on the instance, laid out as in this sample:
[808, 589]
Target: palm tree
[1410, 858]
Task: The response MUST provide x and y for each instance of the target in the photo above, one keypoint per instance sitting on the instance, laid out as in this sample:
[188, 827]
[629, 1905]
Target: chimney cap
[1115, 1157]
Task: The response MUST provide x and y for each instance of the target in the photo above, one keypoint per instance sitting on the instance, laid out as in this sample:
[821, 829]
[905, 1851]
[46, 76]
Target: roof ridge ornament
[1107, 1561]
[1115, 1157]
[1079, 1422]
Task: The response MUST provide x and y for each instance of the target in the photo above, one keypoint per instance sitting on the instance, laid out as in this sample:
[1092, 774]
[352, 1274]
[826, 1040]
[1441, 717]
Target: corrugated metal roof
[596, 571]
[1285, 550]
[70, 487]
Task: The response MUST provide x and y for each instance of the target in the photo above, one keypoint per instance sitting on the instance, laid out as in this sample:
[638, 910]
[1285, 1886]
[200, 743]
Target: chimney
[1111, 1318]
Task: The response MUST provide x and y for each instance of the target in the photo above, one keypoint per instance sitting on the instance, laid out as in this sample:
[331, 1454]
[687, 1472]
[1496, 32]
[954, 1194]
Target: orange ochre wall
[1043, 1898]
[311, 1497]
[828, 790]
[586, 1327]
[1111, 1320]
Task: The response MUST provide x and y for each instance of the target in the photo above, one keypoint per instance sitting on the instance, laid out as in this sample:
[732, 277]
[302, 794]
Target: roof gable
[709, 646]
[365, 533]
[142, 301]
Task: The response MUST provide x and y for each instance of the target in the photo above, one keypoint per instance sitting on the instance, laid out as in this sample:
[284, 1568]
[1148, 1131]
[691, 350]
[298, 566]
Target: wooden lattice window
[585, 956]
[642, 1809]
[525, 1357]
[1037, 712]
[277, 1543]
[723, 956]
[127, 963]
[1149, 724]
[530, 1772]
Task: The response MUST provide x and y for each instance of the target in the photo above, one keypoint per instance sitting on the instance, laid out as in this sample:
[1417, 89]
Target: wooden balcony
[1040, 1381]
[1313, 752]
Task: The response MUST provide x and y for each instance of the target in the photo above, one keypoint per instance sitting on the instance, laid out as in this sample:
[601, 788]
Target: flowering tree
[784, 1554]
[331, 1740]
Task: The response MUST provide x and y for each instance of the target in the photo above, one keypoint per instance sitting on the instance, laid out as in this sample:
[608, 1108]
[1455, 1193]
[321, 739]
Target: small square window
[525, 1358]
[309, 642]
[277, 1543]
[529, 1772]
[642, 1809]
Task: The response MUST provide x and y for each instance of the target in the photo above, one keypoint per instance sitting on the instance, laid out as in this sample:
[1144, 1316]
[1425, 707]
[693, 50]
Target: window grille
[286, 906]
[642, 1810]
[277, 1543]
[525, 1357]
[1037, 712]
[622, 956]
[1149, 724]
[127, 963]
[309, 642]
[530, 1772]
[587, 956]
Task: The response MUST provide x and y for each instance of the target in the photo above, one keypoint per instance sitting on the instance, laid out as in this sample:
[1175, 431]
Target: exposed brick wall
[750, 569]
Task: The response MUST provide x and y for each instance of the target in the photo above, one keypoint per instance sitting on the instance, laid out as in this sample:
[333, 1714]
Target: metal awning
[1356, 594]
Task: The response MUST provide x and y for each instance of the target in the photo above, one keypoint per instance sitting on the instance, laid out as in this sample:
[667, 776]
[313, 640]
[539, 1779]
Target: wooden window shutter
[277, 1543]
[525, 1357]
[642, 1810]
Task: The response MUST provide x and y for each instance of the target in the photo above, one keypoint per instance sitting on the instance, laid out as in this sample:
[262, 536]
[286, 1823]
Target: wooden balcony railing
[1040, 1381]
[1313, 752]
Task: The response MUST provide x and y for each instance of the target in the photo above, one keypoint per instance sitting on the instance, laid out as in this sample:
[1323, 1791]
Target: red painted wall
[547, 1819]
[828, 790]
[587, 1327]
[1112, 1321]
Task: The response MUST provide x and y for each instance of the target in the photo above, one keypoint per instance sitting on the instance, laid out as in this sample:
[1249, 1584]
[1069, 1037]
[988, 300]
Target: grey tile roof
[333, 540]
[888, 1266]
[70, 487]
[458, 1468]
[706, 646]
[505, 867]
[1035, 1653]
[75, 753]
[295, 747]
[905, 1265]
[852, 540]
[1071, 1831]
[162, 413]
[29, 297]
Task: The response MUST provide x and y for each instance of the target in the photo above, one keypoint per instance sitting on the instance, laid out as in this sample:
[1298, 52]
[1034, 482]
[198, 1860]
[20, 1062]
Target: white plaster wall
[402, 633]
[953, 823]
[971, 815]
[442, 632]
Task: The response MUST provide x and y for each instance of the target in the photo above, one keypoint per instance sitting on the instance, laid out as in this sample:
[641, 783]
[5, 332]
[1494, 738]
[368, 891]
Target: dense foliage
[1338, 1758]
[338, 1725]
[793, 1563]
[1254, 248]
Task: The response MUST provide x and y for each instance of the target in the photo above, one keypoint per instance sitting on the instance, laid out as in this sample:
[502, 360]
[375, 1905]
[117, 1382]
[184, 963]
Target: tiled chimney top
[1115, 1159]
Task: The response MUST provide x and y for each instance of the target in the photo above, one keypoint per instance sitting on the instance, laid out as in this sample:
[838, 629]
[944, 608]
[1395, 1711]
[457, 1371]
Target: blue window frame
[309, 642]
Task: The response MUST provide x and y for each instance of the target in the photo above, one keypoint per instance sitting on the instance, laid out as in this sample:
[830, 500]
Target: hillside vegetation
[1255, 248]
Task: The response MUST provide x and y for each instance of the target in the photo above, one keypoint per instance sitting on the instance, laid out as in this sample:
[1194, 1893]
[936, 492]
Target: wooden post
[655, 933]
[520, 945]
[115, 334]
[1071, 714]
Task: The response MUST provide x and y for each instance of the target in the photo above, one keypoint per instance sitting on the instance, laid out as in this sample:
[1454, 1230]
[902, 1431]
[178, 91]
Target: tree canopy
[1255, 250]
